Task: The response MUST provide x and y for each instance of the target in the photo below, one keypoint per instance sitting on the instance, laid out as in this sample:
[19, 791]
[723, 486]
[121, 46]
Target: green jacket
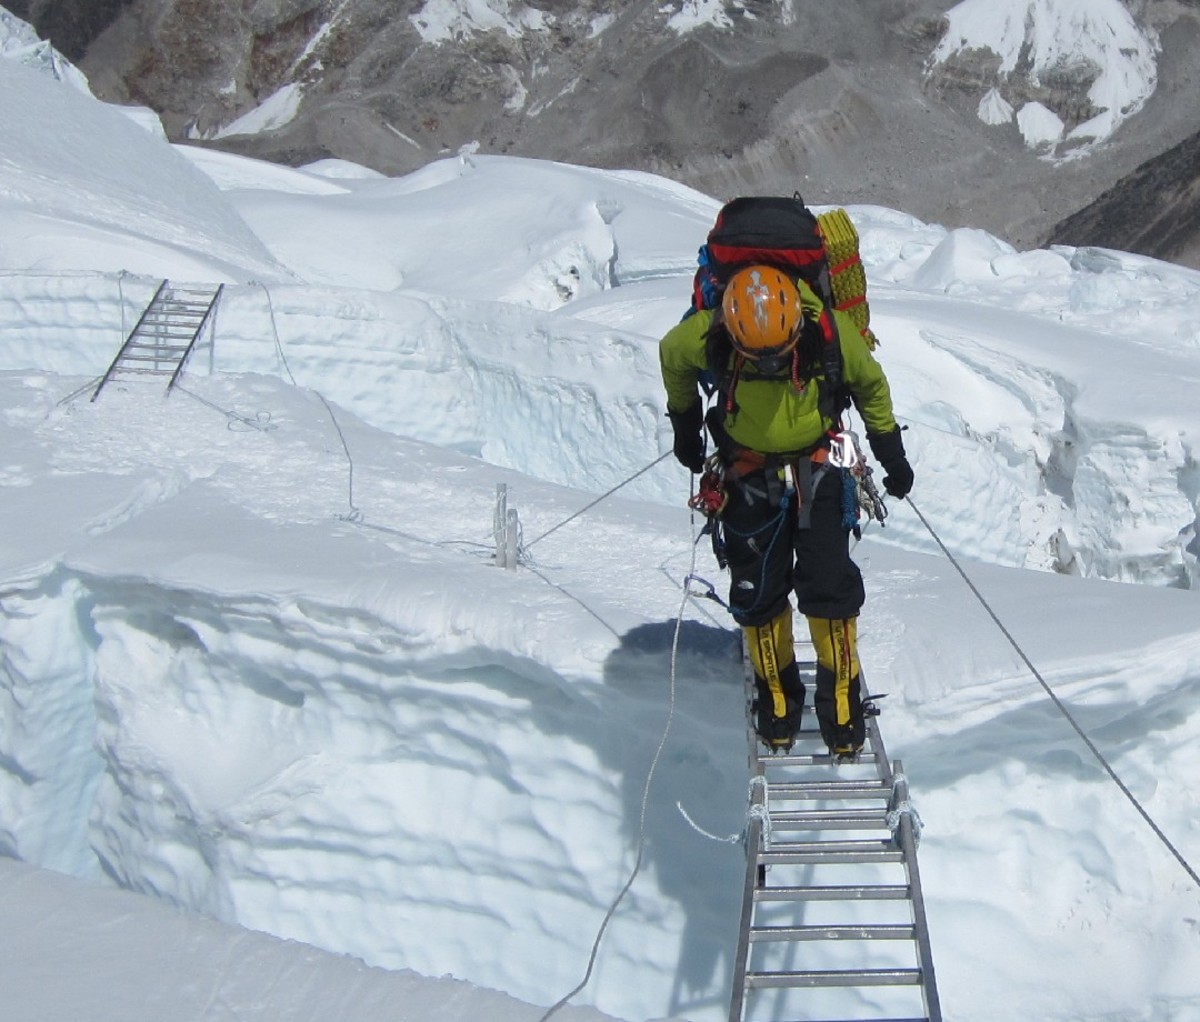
[771, 415]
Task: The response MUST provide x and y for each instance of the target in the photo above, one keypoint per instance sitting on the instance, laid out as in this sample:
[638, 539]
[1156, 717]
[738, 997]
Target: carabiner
[844, 451]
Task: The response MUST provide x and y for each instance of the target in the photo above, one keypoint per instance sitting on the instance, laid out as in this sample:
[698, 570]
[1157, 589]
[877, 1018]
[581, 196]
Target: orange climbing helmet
[762, 312]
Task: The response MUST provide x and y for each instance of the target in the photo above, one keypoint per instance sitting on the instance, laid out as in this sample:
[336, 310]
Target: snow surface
[279, 741]
[1039, 125]
[444, 20]
[277, 110]
[441, 21]
[1047, 39]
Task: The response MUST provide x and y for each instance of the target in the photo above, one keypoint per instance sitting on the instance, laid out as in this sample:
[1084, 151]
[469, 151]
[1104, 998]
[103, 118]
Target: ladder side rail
[875, 738]
[907, 841]
[753, 842]
[741, 958]
[192, 343]
[132, 333]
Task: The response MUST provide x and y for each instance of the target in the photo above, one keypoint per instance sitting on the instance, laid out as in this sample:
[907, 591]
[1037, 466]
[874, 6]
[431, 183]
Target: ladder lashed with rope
[166, 333]
[833, 918]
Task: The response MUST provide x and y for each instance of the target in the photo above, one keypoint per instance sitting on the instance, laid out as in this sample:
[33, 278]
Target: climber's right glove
[689, 437]
[888, 449]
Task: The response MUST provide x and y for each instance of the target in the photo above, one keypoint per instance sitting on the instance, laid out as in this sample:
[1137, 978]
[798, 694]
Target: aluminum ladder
[833, 922]
[162, 339]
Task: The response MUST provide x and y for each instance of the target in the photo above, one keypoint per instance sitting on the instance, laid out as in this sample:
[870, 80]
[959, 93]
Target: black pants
[771, 556]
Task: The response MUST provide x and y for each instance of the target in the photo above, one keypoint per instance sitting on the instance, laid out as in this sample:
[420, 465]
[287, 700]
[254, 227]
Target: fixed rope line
[275, 331]
[263, 425]
[1060, 706]
[81, 390]
[662, 742]
[121, 301]
[571, 596]
[355, 514]
[602, 496]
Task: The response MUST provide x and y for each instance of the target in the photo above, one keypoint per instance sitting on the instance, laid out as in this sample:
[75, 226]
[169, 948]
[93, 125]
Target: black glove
[689, 438]
[888, 449]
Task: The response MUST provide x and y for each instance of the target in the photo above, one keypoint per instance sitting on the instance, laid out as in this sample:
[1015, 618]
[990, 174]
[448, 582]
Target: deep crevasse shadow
[703, 770]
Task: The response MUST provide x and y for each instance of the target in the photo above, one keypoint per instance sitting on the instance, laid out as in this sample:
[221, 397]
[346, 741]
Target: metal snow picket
[506, 530]
[848, 908]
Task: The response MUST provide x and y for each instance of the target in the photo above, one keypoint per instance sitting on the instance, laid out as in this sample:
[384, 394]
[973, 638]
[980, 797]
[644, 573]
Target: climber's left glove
[689, 437]
[888, 449]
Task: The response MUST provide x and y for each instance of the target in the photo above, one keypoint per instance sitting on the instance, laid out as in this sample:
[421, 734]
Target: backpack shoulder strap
[718, 354]
[834, 398]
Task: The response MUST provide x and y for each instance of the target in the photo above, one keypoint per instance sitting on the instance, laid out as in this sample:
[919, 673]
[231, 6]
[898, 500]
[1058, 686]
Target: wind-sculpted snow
[333, 756]
[1014, 416]
[1046, 405]
[140, 219]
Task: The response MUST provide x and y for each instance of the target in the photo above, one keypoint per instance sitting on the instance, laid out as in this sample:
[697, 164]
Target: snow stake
[506, 530]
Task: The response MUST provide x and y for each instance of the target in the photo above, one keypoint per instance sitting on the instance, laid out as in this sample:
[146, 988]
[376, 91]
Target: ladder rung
[161, 341]
[835, 892]
[796, 759]
[800, 790]
[922, 1018]
[141, 334]
[857, 845]
[879, 931]
[165, 330]
[835, 978]
[831, 857]
[146, 358]
[820, 757]
[140, 346]
[830, 819]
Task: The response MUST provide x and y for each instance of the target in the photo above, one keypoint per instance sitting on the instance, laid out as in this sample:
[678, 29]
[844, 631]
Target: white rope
[605, 496]
[261, 422]
[905, 808]
[641, 842]
[275, 330]
[760, 811]
[1060, 706]
[730, 840]
[354, 514]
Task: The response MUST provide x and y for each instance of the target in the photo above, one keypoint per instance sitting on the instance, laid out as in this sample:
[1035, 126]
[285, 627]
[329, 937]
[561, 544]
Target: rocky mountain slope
[1011, 115]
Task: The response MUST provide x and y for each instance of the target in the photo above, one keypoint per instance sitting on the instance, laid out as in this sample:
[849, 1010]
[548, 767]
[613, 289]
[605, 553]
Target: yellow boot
[838, 699]
[779, 690]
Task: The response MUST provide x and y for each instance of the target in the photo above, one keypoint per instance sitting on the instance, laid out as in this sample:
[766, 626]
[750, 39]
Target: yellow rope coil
[847, 277]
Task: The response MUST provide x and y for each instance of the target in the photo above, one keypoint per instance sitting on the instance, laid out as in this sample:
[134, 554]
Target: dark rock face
[69, 25]
[836, 101]
[1155, 210]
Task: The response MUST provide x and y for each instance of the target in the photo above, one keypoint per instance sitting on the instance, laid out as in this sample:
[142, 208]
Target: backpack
[783, 232]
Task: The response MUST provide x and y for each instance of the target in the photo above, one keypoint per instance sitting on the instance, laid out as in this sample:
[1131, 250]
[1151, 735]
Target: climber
[785, 367]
